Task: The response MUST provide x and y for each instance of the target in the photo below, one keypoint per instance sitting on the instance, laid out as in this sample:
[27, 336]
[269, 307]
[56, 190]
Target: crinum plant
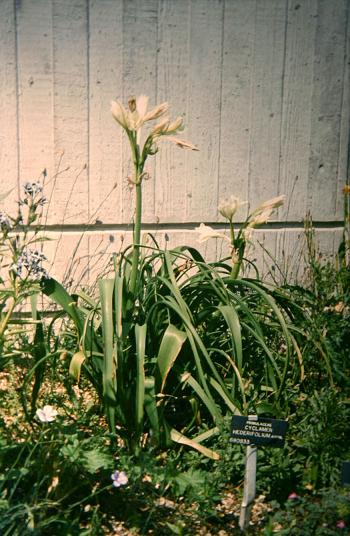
[173, 344]
[238, 241]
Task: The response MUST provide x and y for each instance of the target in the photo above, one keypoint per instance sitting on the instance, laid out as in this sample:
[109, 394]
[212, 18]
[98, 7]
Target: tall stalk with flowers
[133, 119]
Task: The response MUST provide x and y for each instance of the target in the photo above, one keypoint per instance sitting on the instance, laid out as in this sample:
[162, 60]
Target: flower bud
[229, 206]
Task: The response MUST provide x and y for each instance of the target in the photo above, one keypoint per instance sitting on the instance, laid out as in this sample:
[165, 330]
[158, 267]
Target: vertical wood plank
[238, 44]
[262, 252]
[8, 105]
[290, 255]
[105, 135]
[266, 100]
[102, 247]
[172, 86]
[327, 107]
[139, 75]
[70, 197]
[209, 249]
[68, 258]
[205, 57]
[296, 111]
[344, 141]
[34, 27]
[328, 242]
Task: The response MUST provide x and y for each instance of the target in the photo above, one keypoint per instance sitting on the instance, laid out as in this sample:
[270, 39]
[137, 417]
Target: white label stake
[249, 491]
[249, 486]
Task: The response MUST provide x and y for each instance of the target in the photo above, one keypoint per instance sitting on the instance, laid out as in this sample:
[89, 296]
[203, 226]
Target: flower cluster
[228, 208]
[29, 265]
[133, 118]
[32, 194]
[119, 479]
[32, 188]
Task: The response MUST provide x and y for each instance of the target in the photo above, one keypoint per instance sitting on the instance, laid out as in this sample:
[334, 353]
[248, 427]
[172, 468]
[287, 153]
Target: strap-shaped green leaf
[208, 402]
[232, 320]
[140, 333]
[183, 440]
[151, 407]
[170, 347]
[106, 287]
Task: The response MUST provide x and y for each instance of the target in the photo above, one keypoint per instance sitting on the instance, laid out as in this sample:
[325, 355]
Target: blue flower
[31, 262]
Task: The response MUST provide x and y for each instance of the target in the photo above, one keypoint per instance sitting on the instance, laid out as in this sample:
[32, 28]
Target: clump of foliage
[315, 514]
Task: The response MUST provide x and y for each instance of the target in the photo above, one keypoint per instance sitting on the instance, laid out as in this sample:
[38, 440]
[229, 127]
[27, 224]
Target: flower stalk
[132, 119]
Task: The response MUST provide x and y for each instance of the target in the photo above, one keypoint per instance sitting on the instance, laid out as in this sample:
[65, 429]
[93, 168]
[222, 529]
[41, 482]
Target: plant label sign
[345, 474]
[258, 431]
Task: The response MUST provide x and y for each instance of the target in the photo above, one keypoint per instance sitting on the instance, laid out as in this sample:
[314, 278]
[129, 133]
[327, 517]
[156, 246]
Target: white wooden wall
[263, 86]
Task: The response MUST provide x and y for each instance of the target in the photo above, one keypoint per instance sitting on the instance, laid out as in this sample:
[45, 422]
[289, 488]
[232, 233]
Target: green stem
[232, 231]
[137, 235]
[235, 269]
[7, 317]
[239, 245]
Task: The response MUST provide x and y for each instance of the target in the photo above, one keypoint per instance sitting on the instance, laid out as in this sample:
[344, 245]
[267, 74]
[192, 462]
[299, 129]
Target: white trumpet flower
[229, 206]
[273, 203]
[263, 213]
[206, 232]
[120, 114]
[134, 118]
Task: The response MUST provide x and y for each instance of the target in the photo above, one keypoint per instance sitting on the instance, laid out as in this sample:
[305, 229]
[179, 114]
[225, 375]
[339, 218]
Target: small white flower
[161, 127]
[261, 218]
[229, 206]
[263, 212]
[157, 111]
[206, 232]
[119, 479]
[46, 414]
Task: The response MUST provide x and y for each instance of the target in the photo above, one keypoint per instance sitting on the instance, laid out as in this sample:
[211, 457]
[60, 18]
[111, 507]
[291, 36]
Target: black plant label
[257, 431]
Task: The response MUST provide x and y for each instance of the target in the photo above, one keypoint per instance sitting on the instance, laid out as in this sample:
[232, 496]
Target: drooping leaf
[177, 437]
[170, 347]
[76, 364]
